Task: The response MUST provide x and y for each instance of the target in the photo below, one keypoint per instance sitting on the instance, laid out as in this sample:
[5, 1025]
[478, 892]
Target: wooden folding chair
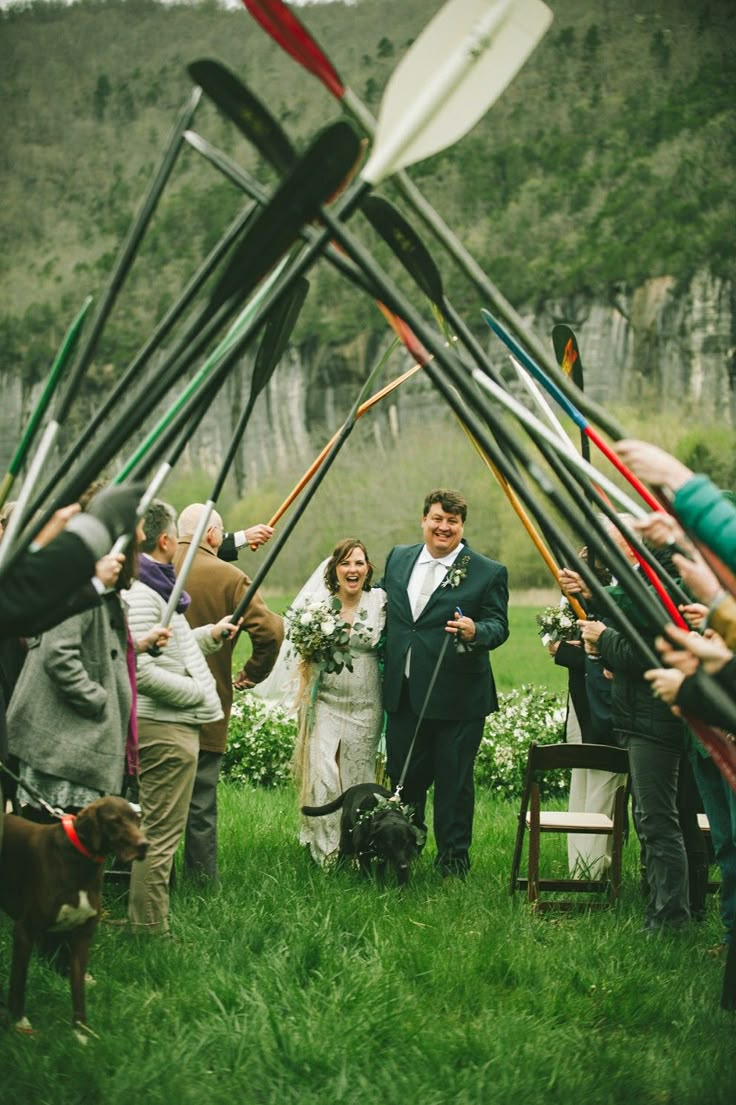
[535, 821]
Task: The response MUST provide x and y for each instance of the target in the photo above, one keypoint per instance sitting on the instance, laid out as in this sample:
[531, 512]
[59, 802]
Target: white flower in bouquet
[557, 623]
[321, 637]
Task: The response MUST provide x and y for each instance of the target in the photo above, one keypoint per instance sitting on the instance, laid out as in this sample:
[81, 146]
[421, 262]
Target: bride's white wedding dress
[342, 727]
[345, 731]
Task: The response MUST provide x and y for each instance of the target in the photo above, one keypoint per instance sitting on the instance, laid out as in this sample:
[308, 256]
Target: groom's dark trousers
[463, 695]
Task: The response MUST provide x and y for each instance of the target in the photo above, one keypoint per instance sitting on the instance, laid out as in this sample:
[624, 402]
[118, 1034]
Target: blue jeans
[720, 806]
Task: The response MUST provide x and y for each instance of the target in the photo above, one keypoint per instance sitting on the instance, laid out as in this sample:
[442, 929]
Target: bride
[340, 714]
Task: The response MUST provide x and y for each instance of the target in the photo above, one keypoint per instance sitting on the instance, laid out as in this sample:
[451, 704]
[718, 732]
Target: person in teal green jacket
[701, 507]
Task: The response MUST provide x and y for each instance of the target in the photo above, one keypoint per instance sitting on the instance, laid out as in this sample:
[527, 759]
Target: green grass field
[290, 986]
[294, 987]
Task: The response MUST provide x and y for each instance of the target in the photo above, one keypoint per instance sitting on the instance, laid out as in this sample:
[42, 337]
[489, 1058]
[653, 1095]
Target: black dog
[372, 827]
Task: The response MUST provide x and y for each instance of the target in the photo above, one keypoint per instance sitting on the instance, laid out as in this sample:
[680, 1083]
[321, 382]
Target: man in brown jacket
[214, 586]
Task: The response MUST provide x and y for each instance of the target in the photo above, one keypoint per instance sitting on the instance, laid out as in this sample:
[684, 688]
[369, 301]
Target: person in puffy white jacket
[176, 694]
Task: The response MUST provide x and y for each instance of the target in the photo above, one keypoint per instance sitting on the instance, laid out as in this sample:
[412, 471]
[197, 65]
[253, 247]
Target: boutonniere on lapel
[457, 573]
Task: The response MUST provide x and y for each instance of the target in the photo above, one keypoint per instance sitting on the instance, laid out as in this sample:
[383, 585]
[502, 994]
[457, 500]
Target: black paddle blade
[314, 178]
[404, 241]
[247, 112]
[567, 353]
[567, 356]
[279, 327]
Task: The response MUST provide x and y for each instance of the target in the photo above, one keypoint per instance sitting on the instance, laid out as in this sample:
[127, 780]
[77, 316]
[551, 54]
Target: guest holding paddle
[434, 589]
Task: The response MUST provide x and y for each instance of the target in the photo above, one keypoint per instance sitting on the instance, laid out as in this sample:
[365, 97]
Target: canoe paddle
[283, 26]
[115, 282]
[60, 362]
[410, 250]
[276, 335]
[162, 330]
[316, 176]
[568, 405]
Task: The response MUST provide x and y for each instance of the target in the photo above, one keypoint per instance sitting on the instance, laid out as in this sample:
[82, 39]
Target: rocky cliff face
[670, 347]
[659, 345]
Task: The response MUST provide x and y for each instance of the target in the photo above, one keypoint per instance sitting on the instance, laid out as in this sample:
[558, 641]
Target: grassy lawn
[292, 986]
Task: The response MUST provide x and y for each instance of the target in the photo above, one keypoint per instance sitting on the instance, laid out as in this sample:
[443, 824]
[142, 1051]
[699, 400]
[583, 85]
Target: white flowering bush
[524, 715]
[260, 744]
[261, 740]
[321, 637]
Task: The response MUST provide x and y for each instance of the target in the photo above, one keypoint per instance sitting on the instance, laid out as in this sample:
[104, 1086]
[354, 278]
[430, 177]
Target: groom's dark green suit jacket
[464, 688]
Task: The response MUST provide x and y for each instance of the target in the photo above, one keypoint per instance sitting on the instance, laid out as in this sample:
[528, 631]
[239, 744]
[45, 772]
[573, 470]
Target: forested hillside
[610, 159]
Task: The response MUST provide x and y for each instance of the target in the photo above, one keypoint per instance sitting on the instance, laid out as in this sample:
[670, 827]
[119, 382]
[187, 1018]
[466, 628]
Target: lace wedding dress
[344, 733]
[341, 728]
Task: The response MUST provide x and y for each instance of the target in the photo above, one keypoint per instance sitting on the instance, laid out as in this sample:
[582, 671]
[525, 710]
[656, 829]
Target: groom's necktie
[428, 584]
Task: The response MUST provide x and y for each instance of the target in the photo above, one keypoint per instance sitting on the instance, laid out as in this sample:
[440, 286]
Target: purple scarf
[161, 579]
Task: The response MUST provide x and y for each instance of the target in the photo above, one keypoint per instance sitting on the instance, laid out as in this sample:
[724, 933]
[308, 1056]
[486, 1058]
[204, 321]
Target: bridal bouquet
[321, 637]
[557, 623]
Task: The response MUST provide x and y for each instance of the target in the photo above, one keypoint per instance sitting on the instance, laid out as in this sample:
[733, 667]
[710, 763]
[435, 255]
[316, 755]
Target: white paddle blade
[457, 68]
[545, 409]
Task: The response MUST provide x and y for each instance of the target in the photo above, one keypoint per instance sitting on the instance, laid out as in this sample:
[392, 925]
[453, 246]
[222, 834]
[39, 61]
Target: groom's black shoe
[453, 867]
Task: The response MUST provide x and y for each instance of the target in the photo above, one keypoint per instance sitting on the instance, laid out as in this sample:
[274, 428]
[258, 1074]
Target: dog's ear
[90, 829]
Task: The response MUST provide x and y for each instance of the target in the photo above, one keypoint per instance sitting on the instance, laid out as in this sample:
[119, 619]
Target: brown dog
[51, 881]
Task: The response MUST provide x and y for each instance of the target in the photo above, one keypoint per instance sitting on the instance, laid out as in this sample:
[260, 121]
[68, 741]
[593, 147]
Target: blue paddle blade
[531, 365]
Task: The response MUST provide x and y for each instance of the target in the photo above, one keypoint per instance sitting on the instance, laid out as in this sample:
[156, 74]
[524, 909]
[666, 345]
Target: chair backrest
[599, 757]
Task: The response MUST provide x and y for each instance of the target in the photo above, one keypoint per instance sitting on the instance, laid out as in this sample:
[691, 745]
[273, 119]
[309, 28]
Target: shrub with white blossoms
[524, 715]
[261, 741]
[321, 637]
[260, 744]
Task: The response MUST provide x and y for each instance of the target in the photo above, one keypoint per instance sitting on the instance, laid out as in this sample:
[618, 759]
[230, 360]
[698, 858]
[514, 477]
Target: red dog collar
[67, 822]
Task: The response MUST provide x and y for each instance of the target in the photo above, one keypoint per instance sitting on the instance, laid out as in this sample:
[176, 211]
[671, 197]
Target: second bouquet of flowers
[558, 623]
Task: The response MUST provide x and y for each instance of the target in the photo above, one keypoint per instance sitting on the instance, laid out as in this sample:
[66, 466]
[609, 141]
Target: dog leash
[31, 790]
[422, 712]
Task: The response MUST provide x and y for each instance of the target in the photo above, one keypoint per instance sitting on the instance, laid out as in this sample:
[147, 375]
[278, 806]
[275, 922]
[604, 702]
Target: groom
[434, 589]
